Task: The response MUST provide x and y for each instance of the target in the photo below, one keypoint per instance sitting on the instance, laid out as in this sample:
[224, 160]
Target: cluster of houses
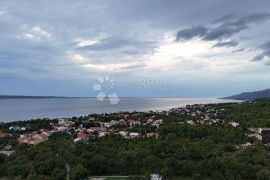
[124, 122]
[204, 115]
[82, 133]
[34, 137]
[199, 115]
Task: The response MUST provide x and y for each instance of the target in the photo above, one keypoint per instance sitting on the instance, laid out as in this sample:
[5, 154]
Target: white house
[155, 176]
[234, 124]
[134, 135]
[123, 133]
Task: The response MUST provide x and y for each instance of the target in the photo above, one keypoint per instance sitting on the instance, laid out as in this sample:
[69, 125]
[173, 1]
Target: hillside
[251, 95]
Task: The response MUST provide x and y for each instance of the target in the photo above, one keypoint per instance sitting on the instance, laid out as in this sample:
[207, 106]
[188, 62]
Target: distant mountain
[26, 97]
[251, 95]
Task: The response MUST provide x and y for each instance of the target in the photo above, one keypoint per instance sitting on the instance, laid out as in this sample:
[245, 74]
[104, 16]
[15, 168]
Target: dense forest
[180, 152]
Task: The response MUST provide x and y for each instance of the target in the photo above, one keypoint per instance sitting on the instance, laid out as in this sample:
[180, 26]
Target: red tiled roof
[44, 136]
[3, 134]
[82, 135]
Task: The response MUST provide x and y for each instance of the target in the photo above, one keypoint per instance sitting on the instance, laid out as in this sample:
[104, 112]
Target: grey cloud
[258, 57]
[265, 48]
[238, 50]
[226, 27]
[227, 17]
[236, 19]
[189, 33]
[133, 67]
[223, 32]
[118, 43]
[226, 44]
[131, 28]
[230, 26]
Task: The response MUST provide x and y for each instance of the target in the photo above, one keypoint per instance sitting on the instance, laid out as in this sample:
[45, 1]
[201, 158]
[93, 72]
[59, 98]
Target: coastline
[27, 109]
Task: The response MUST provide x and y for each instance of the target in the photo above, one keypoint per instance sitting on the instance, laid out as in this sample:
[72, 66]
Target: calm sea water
[25, 109]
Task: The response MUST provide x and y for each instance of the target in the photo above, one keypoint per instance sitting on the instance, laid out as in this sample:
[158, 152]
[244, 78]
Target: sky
[141, 48]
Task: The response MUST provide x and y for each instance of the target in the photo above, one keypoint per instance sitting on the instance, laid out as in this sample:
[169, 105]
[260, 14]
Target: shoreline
[145, 110]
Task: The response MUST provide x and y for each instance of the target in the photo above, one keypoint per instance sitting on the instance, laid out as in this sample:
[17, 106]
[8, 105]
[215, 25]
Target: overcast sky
[188, 48]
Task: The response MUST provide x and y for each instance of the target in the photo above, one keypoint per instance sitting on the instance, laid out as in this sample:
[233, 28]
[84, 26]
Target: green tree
[78, 172]
[263, 175]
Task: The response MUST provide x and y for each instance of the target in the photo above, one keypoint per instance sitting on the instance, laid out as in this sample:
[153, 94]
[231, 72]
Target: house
[265, 133]
[62, 121]
[69, 124]
[133, 122]
[124, 134]
[107, 124]
[207, 118]
[152, 135]
[61, 128]
[246, 144]
[157, 123]
[122, 122]
[7, 150]
[45, 135]
[149, 121]
[155, 176]
[256, 135]
[17, 128]
[92, 129]
[3, 134]
[260, 130]
[102, 133]
[134, 135]
[81, 136]
[234, 124]
[82, 129]
[33, 138]
[98, 178]
[114, 122]
[190, 122]
[92, 118]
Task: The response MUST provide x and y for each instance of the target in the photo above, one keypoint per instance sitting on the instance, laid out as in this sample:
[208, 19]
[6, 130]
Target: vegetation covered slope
[251, 95]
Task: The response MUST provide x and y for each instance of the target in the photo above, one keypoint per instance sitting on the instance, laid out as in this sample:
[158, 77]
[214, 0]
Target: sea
[14, 109]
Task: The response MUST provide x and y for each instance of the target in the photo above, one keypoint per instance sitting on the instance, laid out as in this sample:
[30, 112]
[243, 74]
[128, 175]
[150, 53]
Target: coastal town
[189, 141]
[128, 125]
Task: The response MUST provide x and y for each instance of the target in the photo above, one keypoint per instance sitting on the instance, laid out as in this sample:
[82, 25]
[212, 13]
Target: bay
[33, 108]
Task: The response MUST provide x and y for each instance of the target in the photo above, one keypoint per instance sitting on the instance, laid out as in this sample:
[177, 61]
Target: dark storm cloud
[265, 48]
[226, 44]
[224, 27]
